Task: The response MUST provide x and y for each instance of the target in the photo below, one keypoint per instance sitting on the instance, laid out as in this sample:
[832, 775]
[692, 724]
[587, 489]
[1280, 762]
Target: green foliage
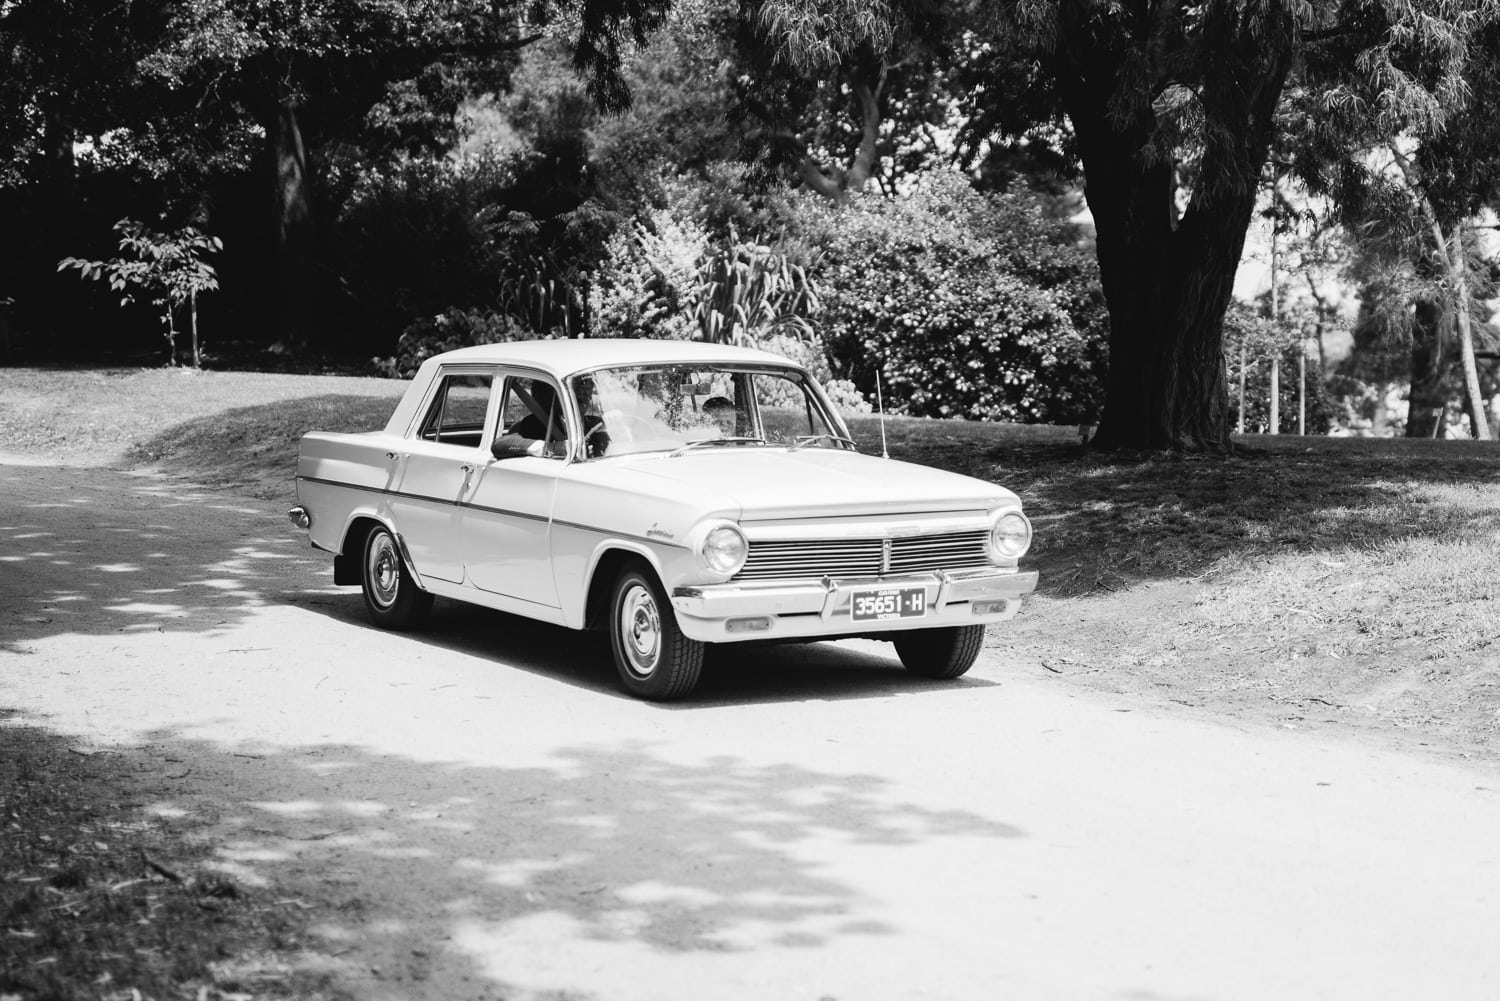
[447, 331]
[968, 305]
[845, 93]
[168, 268]
[647, 281]
[749, 293]
[666, 276]
[1262, 340]
[414, 239]
[1322, 408]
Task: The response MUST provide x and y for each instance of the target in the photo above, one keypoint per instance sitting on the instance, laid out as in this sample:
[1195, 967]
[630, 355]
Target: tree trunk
[1167, 282]
[1273, 425]
[1167, 290]
[866, 156]
[1240, 420]
[193, 318]
[292, 221]
[836, 184]
[58, 199]
[171, 335]
[1429, 371]
[1458, 269]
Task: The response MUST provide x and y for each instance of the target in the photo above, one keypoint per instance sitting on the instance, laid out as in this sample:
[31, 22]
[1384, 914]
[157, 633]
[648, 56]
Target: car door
[507, 518]
[444, 453]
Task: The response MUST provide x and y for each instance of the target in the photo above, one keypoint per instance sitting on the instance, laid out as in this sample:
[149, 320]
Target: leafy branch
[168, 268]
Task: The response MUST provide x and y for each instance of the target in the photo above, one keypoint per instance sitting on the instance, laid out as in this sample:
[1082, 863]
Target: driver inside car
[542, 431]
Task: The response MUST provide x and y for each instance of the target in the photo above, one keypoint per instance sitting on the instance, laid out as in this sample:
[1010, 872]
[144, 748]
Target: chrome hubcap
[383, 571]
[640, 629]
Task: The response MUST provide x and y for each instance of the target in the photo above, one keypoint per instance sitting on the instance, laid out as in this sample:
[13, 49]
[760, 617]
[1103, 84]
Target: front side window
[531, 419]
[636, 409]
[456, 414]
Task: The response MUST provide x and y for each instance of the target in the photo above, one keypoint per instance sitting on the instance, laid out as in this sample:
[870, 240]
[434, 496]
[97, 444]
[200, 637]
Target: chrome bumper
[727, 613]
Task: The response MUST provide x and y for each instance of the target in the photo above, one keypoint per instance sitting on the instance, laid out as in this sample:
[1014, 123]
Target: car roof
[561, 358]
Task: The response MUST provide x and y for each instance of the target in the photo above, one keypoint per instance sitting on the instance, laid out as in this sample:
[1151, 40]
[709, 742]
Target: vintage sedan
[677, 494]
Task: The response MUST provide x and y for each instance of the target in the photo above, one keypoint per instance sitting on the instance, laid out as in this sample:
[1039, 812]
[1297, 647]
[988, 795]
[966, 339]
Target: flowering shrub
[648, 279]
[846, 398]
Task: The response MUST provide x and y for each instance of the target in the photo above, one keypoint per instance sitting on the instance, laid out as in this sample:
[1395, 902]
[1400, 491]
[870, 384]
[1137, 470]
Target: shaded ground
[99, 897]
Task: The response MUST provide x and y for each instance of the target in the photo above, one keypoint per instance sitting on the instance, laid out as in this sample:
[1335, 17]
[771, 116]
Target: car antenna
[880, 409]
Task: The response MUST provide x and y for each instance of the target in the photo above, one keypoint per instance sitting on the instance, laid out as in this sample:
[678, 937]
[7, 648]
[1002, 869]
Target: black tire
[392, 597]
[655, 660]
[940, 653]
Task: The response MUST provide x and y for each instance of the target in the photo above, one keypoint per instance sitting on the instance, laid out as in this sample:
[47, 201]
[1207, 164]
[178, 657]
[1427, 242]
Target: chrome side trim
[380, 491]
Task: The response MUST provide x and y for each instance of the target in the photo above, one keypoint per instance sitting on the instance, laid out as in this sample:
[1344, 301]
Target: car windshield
[682, 408]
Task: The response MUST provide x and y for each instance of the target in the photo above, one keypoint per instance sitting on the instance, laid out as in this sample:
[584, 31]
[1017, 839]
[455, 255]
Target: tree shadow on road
[103, 552]
[448, 879]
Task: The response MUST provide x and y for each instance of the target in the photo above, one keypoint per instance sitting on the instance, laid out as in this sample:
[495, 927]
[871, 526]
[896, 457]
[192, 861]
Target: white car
[675, 493]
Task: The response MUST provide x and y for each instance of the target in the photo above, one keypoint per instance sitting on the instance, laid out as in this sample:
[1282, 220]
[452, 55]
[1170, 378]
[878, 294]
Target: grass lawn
[1311, 582]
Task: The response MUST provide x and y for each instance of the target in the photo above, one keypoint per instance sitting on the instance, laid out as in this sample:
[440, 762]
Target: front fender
[580, 556]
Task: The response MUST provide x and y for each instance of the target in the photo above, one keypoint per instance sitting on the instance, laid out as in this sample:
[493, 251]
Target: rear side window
[456, 414]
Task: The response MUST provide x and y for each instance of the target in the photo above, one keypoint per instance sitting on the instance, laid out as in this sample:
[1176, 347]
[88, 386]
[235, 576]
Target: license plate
[877, 604]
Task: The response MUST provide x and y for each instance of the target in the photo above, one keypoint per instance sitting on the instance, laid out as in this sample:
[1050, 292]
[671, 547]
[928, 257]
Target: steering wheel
[595, 439]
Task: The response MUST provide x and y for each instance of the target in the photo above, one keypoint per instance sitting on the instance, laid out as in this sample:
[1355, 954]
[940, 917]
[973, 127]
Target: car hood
[772, 483]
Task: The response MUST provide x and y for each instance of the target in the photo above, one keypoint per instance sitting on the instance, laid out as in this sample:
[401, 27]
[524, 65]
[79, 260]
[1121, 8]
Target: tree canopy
[326, 141]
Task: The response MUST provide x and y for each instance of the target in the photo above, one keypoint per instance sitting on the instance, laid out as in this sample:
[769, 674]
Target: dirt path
[476, 813]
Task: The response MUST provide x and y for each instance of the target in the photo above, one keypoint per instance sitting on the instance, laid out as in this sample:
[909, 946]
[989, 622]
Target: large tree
[1413, 198]
[182, 87]
[838, 87]
[1171, 109]
[307, 73]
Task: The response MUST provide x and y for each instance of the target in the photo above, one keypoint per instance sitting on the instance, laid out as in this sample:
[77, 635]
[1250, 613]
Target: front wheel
[655, 660]
[392, 597]
[940, 653]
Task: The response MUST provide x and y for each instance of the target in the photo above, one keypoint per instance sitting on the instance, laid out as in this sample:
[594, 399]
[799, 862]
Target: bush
[969, 305]
[1322, 408]
[448, 331]
[414, 240]
[1263, 340]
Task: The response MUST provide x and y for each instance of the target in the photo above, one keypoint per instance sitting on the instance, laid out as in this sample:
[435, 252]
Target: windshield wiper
[803, 441]
[709, 442]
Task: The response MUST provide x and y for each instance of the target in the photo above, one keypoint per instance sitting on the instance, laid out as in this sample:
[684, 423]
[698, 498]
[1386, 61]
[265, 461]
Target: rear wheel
[940, 653]
[655, 660]
[392, 597]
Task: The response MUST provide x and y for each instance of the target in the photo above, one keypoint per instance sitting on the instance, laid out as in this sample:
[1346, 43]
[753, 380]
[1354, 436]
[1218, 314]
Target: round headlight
[725, 549]
[1011, 536]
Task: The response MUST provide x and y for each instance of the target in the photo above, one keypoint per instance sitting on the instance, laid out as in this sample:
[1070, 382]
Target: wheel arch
[608, 563]
[347, 560]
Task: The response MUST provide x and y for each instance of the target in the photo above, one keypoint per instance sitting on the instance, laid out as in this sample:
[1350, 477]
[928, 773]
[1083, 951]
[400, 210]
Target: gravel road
[475, 812]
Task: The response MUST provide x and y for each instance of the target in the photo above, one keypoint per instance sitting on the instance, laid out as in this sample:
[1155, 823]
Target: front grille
[812, 558]
[815, 558]
[956, 551]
